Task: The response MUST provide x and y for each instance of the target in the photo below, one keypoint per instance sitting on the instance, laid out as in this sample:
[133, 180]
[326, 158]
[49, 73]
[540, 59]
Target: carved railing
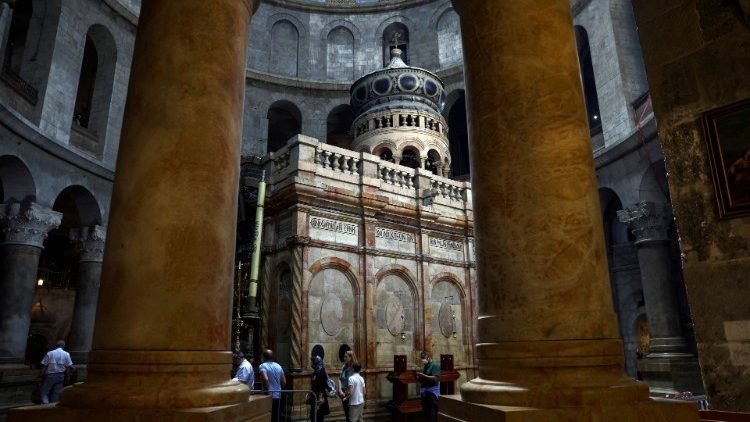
[337, 159]
[453, 190]
[396, 175]
[401, 119]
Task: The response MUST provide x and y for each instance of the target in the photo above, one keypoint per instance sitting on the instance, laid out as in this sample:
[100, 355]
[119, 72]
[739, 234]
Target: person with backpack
[319, 384]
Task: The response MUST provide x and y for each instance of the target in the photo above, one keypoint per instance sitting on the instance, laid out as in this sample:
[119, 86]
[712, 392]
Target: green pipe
[255, 260]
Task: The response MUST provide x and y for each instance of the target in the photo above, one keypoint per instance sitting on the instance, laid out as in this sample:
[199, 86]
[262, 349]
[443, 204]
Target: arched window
[589, 83]
[284, 122]
[395, 35]
[458, 137]
[434, 163]
[339, 125]
[15, 47]
[410, 158]
[284, 48]
[340, 55]
[94, 95]
[384, 153]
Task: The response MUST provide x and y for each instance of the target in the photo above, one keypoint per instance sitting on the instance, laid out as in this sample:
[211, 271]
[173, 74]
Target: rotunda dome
[398, 85]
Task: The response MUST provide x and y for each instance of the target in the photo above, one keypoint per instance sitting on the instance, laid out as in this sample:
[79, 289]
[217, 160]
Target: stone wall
[697, 56]
[384, 256]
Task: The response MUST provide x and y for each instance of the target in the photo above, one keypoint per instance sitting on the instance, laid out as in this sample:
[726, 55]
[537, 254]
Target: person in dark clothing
[318, 385]
[429, 379]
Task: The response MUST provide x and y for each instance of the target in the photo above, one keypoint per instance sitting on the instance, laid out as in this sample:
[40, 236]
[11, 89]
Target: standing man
[356, 394]
[54, 365]
[245, 373]
[273, 376]
[429, 379]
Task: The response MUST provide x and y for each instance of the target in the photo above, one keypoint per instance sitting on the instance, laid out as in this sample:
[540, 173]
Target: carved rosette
[648, 221]
[27, 224]
[90, 242]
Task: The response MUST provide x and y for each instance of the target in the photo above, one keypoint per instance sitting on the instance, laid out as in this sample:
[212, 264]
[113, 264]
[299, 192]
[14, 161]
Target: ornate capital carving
[90, 241]
[27, 224]
[647, 220]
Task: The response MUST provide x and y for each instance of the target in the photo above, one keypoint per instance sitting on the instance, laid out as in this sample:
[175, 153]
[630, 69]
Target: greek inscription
[394, 235]
[333, 226]
[446, 244]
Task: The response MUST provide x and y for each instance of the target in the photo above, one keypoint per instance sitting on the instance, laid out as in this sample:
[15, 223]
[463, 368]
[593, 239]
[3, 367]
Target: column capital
[27, 224]
[90, 241]
[648, 220]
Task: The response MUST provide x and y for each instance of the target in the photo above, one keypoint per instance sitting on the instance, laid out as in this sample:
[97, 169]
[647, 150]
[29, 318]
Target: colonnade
[547, 342]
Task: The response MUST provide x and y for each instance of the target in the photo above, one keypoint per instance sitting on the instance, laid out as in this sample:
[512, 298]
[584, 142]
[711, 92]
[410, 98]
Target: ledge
[286, 82]
[347, 8]
[31, 135]
[123, 11]
[607, 155]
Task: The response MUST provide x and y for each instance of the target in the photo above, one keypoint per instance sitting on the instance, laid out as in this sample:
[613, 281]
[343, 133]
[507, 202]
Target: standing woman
[318, 385]
[346, 372]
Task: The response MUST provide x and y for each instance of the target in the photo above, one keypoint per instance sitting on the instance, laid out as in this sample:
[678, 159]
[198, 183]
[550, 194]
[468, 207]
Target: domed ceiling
[357, 6]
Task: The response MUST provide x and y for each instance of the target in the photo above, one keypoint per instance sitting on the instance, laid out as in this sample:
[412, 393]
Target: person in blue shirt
[245, 373]
[273, 376]
[429, 379]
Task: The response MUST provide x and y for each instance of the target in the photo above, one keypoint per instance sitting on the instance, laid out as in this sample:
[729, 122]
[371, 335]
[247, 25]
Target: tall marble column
[91, 245]
[24, 226]
[547, 347]
[162, 334]
[669, 366]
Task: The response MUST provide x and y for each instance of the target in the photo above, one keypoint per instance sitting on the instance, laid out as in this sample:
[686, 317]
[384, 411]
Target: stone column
[162, 333]
[25, 226]
[669, 366]
[91, 245]
[547, 340]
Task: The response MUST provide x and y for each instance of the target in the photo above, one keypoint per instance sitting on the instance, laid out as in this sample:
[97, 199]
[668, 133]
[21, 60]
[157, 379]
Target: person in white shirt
[356, 394]
[54, 365]
[245, 373]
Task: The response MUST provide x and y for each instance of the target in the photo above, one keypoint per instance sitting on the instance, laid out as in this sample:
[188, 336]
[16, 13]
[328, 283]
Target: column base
[454, 409]
[667, 375]
[256, 409]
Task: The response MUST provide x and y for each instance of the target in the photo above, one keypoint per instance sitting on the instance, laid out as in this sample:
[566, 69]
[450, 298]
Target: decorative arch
[284, 122]
[340, 54]
[333, 306]
[615, 232]
[450, 330]
[398, 313]
[338, 126]
[16, 182]
[410, 156]
[448, 31]
[286, 32]
[335, 263]
[95, 87]
[330, 57]
[83, 203]
[450, 277]
[380, 37]
[653, 186]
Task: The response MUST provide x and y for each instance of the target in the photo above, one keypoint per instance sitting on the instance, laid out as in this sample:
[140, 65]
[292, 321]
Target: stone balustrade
[350, 174]
[414, 120]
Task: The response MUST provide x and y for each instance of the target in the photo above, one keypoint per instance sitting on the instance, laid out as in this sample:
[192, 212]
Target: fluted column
[24, 228]
[649, 223]
[162, 333]
[91, 246]
[547, 333]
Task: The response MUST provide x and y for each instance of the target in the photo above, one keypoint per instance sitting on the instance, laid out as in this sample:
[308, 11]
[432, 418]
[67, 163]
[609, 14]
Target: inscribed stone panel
[333, 231]
[447, 321]
[394, 240]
